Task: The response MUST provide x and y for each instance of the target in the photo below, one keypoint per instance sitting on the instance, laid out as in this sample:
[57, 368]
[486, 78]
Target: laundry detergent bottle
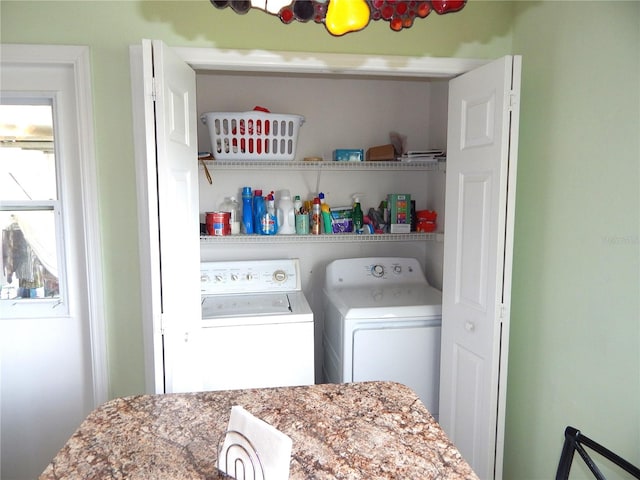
[247, 211]
[286, 214]
[259, 210]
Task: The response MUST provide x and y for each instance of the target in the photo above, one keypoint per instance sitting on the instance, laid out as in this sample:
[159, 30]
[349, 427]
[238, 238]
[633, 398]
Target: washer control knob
[249, 277]
[204, 278]
[397, 269]
[279, 276]
[234, 277]
[219, 278]
[377, 271]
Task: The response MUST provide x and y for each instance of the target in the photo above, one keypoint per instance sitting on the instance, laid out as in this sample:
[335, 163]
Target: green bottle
[357, 216]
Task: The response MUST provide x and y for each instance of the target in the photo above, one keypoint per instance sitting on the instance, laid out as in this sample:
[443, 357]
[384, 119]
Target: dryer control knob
[279, 276]
[377, 270]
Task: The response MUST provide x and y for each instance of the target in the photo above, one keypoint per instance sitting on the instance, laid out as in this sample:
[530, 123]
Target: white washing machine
[382, 322]
[257, 327]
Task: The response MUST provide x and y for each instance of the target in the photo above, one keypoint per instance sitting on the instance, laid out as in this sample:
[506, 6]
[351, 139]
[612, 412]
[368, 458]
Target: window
[30, 214]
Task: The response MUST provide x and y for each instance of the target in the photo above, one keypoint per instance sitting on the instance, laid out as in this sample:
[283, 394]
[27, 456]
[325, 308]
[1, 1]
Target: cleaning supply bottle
[259, 209]
[316, 215]
[247, 211]
[270, 219]
[231, 205]
[297, 205]
[286, 214]
[326, 214]
[357, 215]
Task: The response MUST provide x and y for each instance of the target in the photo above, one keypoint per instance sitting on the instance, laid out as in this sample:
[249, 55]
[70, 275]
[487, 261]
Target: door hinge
[154, 89]
[513, 99]
[151, 88]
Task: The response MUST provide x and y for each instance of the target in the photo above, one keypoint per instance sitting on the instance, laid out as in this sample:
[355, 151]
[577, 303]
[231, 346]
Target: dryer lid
[408, 299]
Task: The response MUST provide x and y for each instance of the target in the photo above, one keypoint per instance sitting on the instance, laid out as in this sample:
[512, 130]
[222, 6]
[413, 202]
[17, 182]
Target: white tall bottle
[286, 214]
[230, 205]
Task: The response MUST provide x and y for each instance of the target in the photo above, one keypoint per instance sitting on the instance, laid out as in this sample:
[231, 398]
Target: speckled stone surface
[370, 430]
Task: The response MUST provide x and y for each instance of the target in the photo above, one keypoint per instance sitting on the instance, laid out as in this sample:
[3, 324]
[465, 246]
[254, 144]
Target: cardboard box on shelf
[381, 153]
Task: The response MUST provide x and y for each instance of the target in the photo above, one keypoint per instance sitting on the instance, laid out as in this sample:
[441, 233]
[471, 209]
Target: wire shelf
[323, 238]
[324, 165]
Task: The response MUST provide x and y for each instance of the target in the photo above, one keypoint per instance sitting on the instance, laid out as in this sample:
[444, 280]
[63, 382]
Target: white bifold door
[170, 226]
[480, 200]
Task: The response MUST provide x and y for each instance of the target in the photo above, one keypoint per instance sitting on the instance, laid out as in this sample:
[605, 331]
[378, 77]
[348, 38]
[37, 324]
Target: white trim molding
[78, 58]
[324, 63]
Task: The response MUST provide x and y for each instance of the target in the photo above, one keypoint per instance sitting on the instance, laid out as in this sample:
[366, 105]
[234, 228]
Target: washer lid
[256, 308]
[214, 306]
[391, 301]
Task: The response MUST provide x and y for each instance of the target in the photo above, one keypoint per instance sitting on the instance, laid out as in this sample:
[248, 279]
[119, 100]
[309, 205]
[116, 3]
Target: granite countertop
[369, 430]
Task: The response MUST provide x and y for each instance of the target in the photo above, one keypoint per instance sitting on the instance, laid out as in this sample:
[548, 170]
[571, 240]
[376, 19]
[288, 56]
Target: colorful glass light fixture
[343, 16]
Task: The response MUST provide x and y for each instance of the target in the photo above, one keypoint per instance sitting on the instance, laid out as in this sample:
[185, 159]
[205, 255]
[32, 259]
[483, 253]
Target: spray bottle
[270, 219]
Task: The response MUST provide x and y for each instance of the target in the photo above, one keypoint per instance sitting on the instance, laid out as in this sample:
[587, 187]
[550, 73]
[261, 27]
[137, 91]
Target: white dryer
[382, 322]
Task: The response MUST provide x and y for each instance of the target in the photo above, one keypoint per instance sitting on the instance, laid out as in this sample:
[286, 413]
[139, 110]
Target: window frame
[42, 307]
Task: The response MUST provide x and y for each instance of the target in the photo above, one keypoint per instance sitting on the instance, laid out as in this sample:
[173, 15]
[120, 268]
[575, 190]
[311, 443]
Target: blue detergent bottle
[259, 209]
[247, 211]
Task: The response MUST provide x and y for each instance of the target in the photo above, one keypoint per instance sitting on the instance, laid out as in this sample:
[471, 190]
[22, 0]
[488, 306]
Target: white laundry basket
[253, 135]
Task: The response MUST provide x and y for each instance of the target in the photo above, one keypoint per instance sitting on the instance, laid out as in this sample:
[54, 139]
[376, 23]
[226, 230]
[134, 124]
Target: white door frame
[78, 59]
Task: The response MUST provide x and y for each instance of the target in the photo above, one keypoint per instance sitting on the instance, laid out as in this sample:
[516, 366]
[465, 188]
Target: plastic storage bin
[253, 135]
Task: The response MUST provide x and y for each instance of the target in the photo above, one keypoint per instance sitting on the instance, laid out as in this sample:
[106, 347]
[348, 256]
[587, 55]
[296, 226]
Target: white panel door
[173, 88]
[52, 350]
[480, 188]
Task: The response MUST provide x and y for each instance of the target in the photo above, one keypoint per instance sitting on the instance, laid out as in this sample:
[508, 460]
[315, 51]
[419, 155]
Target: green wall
[479, 31]
[575, 335]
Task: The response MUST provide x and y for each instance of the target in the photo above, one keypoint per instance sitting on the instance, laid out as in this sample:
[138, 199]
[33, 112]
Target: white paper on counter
[260, 447]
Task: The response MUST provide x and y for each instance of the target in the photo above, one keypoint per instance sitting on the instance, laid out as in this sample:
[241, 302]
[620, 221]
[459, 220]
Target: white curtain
[39, 230]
